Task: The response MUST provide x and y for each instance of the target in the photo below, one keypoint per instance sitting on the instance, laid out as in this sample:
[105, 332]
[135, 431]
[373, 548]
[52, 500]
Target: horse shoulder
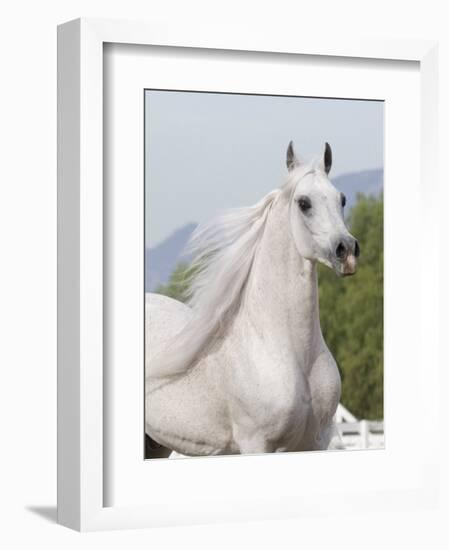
[164, 319]
[325, 386]
[186, 413]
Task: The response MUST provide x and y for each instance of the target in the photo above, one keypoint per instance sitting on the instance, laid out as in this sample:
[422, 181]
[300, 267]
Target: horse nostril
[356, 249]
[340, 251]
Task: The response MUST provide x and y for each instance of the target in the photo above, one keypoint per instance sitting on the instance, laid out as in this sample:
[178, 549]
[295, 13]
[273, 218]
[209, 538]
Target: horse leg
[254, 443]
[332, 438]
[321, 437]
[154, 449]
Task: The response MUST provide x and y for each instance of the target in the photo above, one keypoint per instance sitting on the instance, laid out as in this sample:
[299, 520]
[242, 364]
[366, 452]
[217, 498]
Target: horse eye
[304, 203]
[343, 200]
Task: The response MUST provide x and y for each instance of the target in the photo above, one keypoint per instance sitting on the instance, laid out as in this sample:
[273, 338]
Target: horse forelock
[301, 170]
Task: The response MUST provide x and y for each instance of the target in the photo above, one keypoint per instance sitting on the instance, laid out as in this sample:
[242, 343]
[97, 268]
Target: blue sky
[206, 152]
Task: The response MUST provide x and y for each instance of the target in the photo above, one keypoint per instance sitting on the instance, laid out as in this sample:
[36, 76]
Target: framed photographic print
[233, 276]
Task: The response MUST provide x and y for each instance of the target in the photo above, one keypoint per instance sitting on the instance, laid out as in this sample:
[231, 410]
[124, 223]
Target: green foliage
[178, 283]
[351, 312]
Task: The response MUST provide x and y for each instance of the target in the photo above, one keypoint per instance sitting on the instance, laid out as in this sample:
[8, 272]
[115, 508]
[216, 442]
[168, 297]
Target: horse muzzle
[349, 266]
[346, 254]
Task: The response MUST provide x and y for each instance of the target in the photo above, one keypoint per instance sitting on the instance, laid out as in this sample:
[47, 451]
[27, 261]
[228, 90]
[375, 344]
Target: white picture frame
[82, 491]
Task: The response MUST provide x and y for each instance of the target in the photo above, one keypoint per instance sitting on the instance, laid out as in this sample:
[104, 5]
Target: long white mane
[223, 252]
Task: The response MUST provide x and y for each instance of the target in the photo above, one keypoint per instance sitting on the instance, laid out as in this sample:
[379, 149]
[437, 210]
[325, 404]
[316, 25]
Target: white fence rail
[362, 434]
[358, 434]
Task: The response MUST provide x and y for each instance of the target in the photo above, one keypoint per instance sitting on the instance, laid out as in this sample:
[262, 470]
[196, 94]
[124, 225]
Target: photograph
[264, 274]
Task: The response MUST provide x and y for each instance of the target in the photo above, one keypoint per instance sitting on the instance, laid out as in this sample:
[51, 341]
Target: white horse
[244, 367]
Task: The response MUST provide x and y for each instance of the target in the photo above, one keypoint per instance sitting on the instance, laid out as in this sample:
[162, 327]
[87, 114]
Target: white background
[28, 274]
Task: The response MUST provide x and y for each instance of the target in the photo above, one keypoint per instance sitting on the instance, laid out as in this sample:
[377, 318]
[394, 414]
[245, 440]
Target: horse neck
[281, 300]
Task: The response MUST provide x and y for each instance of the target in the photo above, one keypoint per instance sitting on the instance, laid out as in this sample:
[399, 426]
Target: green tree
[351, 312]
[178, 283]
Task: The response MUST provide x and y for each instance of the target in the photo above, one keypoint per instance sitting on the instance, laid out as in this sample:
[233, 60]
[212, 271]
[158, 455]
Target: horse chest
[282, 406]
[268, 411]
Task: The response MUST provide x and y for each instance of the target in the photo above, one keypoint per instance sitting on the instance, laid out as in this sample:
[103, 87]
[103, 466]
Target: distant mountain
[371, 181]
[161, 260]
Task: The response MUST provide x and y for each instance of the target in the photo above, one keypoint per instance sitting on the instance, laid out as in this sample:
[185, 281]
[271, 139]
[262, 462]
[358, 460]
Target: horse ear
[292, 161]
[327, 161]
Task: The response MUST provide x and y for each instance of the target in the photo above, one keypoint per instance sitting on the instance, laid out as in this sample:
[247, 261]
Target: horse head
[317, 214]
